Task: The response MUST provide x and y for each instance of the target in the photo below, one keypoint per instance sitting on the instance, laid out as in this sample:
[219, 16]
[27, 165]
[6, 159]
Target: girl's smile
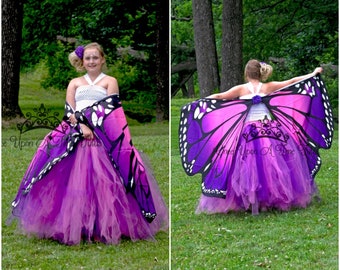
[92, 59]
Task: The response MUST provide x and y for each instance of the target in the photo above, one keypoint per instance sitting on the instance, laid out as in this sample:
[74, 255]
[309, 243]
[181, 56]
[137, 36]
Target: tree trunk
[205, 47]
[191, 87]
[12, 20]
[162, 62]
[232, 35]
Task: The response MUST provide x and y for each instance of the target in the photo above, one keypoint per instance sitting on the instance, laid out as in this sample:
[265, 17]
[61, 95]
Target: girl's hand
[73, 119]
[318, 70]
[87, 132]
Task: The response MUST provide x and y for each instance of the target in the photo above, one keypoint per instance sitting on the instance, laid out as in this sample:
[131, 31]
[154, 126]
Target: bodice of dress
[90, 93]
[257, 111]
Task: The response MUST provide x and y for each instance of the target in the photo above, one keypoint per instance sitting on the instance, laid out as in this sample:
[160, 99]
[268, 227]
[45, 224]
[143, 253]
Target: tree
[12, 17]
[205, 47]
[293, 36]
[183, 61]
[296, 32]
[232, 25]
[162, 61]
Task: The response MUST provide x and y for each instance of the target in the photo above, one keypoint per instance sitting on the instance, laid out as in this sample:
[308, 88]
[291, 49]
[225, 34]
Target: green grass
[21, 252]
[299, 239]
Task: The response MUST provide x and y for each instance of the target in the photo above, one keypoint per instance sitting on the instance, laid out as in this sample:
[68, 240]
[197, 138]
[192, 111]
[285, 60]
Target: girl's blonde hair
[257, 70]
[77, 62]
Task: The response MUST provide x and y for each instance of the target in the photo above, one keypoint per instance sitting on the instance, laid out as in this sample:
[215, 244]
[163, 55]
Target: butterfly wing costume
[257, 164]
[106, 177]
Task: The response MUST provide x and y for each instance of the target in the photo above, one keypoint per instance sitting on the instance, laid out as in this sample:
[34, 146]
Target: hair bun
[265, 71]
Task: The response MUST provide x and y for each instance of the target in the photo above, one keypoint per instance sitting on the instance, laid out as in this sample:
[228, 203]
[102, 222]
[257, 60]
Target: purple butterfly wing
[107, 119]
[304, 109]
[208, 135]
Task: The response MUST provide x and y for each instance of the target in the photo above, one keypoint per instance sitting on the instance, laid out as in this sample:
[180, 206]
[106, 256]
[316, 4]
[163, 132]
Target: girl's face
[92, 60]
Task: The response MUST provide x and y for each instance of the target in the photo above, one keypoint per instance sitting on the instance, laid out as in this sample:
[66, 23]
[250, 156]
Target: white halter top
[257, 111]
[88, 94]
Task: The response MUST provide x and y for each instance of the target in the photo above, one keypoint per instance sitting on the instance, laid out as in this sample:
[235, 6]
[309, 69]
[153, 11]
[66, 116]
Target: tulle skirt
[267, 173]
[83, 199]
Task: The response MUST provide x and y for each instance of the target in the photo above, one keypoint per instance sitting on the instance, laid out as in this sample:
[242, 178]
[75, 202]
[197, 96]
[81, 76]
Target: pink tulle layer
[83, 199]
[267, 174]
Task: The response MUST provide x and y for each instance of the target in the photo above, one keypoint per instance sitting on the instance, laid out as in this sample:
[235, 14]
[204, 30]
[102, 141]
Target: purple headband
[80, 51]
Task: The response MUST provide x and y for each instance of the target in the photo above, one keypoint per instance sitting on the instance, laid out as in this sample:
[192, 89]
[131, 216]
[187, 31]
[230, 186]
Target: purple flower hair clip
[80, 51]
[256, 99]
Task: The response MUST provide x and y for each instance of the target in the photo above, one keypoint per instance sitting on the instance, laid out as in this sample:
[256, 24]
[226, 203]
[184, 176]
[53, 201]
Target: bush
[135, 83]
[60, 71]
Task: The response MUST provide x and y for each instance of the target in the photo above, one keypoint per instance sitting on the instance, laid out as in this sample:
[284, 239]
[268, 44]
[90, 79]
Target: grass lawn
[299, 239]
[20, 252]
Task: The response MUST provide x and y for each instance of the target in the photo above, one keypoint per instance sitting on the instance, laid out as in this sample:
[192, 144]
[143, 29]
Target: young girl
[256, 147]
[87, 182]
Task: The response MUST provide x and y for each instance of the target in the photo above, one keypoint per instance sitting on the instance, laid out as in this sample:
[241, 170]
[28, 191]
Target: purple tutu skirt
[83, 199]
[267, 173]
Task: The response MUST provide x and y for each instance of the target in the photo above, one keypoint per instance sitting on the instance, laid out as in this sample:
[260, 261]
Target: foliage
[111, 23]
[298, 239]
[297, 31]
[133, 79]
[182, 34]
[127, 31]
[128, 73]
[60, 72]
[294, 36]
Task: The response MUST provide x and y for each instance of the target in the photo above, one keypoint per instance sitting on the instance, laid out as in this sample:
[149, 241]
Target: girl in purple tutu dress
[87, 182]
[256, 145]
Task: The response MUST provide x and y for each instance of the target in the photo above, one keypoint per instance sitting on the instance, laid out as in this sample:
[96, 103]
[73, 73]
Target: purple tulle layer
[83, 199]
[267, 174]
